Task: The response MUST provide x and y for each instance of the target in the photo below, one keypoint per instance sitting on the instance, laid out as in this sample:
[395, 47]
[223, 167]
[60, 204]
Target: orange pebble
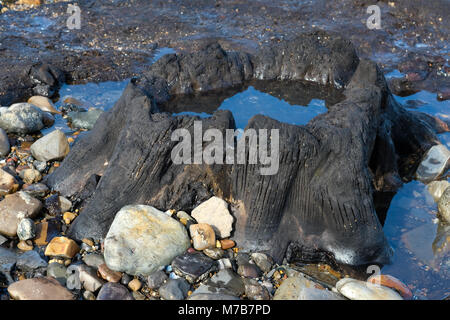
[227, 244]
[391, 282]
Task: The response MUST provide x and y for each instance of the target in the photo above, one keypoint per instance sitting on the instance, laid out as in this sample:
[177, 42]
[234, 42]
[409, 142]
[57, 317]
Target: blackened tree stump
[330, 170]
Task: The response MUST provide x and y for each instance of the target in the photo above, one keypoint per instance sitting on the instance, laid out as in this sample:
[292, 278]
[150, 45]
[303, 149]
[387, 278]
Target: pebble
[26, 229]
[137, 295]
[53, 146]
[224, 263]
[224, 282]
[143, 239]
[40, 165]
[30, 260]
[437, 188]
[68, 217]
[5, 147]
[135, 285]
[62, 247]
[57, 271]
[8, 183]
[391, 282]
[255, 291]
[300, 288]
[14, 208]
[215, 212]
[362, 290]
[193, 266]
[185, 218]
[30, 176]
[52, 205]
[114, 291]
[156, 279]
[203, 236]
[444, 205]
[249, 270]
[21, 118]
[43, 103]
[43, 288]
[89, 279]
[214, 253]
[25, 245]
[174, 289]
[227, 244]
[433, 163]
[94, 260]
[108, 274]
[37, 190]
[87, 295]
[84, 120]
[65, 204]
[125, 279]
[262, 261]
[2, 239]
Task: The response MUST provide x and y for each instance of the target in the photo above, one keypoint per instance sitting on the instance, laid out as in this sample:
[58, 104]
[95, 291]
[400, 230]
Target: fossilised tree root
[329, 170]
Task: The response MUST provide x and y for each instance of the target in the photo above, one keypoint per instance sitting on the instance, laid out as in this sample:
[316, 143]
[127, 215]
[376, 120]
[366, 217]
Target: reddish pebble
[191, 250]
[393, 283]
[227, 244]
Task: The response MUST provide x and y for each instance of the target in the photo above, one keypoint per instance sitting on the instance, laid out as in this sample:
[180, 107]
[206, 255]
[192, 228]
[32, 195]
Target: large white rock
[433, 164]
[53, 146]
[143, 239]
[437, 188]
[444, 205]
[363, 290]
[21, 118]
[215, 212]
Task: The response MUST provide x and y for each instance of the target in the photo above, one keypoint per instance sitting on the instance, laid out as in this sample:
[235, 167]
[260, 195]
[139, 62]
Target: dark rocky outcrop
[330, 170]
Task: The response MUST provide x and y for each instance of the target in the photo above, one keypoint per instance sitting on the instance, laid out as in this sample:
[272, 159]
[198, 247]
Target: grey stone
[94, 260]
[174, 289]
[87, 295]
[7, 256]
[89, 279]
[26, 229]
[249, 270]
[156, 279]
[21, 118]
[37, 190]
[53, 146]
[65, 204]
[224, 282]
[255, 291]
[193, 266]
[300, 288]
[2, 239]
[262, 261]
[30, 260]
[143, 239]
[84, 120]
[433, 164]
[5, 147]
[57, 271]
[214, 253]
[114, 291]
[40, 165]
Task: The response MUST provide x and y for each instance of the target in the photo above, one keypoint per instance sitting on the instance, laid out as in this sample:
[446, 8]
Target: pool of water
[244, 105]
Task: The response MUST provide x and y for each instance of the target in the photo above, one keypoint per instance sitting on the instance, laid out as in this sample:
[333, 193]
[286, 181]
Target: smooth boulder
[215, 212]
[433, 164]
[21, 118]
[53, 146]
[46, 288]
[143, 239]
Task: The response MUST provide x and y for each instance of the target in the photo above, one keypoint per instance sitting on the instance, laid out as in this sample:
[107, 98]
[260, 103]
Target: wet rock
[21, 118]
[53, 146]
[26, 229]
[255, 291]
[40, 165]
[193, 266]
[62, 247]
[215, 212]
[94, 260]
[227, 244]
[84, 120]
[37, 190]
[5, 147]
[135, 285]
[433, 164]
[89, 279]
[361, 290]
[30, 176]
[43, 103]
[114, 291]
[156, 279]
[203, 236]
[108, 274]
[391, 282]
[8, 183]
[39, 289]
[214, 253]
[14, 208]
[143, 239]
[57, 271]
[444, 205]
[262, 261]
[249, 270]
[300, 288]
[30, 260]
[174, 289]
[7, 256]
[224, 282]
[437, 188]
[46, 231]
[52, 205]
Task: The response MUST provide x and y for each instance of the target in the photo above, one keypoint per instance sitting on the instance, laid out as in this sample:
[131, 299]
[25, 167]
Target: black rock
[193, 266]
[156, 279]
[52, 205]
[174, 289]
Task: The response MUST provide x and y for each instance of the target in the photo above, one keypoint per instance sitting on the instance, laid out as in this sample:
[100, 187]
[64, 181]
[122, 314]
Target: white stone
[437, 188]
[363, 290]
[143, 239]
[433, 163]
[215, 212]
[444, 205]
